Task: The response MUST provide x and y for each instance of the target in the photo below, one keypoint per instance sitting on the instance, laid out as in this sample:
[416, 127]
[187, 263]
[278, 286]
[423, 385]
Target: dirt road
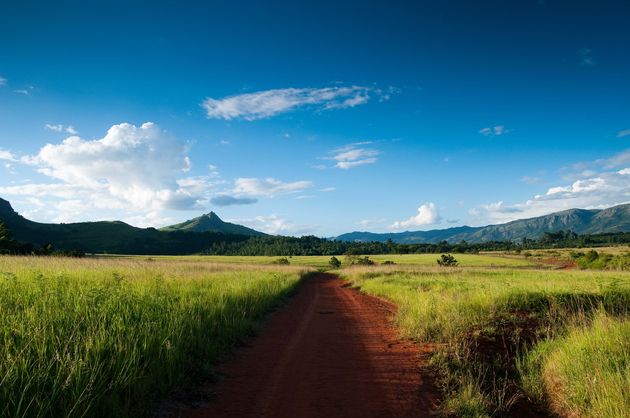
[331, 352]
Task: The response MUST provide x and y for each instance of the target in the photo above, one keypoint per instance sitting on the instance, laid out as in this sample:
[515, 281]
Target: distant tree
[363, 261]
[388, 262]
[447, 260]
[282, 261]
[334, 262]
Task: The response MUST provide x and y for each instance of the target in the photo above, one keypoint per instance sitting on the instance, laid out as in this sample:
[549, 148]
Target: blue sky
[314, 117]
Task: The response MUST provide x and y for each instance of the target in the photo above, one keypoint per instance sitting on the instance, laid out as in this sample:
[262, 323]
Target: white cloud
[268, 187]
[428, 214]
[275, 225]
[353, 156]
[227, 200]
[26, 92]
[3, 81]
[135, 170]
[268, 103]
[6, 155]
[623, 133]
[61, 128]
[328, 189]
[494, 131]
[605, 189]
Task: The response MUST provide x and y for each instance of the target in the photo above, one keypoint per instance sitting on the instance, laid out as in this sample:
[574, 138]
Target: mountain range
[580, 221]
[209, 230]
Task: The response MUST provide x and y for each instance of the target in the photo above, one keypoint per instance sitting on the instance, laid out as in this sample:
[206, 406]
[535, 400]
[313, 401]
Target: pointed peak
[5, 206]
[212, 215]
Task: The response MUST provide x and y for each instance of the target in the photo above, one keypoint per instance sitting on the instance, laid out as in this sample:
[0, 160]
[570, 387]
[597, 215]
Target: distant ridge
[211, 222]
[581, 221]
[115, 237]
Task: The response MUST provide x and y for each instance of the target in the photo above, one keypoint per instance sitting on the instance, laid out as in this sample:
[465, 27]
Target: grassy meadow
[105, 337]
[507, 339]
[321, 261]
[108, 335]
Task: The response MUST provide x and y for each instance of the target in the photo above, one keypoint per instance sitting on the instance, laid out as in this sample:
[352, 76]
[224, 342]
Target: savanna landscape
[312, 209]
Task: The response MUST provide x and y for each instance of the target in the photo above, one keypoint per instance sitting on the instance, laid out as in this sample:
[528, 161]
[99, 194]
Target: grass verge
[484, 320]
[105, 337]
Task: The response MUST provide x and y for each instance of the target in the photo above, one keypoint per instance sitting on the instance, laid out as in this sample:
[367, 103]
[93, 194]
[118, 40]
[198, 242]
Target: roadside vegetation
[506, 340]
[101, 337]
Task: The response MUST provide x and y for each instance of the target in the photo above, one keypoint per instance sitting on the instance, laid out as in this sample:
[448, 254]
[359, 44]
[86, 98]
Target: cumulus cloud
[608, 188]
[354, 155]
[268, 103]
[268, 187]
[61, 128]
[494, 131]
[428, 214]
[135, 170]
[227, 200]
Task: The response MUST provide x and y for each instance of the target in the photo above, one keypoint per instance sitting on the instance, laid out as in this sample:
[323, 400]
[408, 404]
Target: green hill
[113, 237]
[212, 223]
[580, 221]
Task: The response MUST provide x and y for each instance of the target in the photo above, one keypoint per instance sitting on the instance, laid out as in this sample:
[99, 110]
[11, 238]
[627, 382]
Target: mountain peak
[6, 208]
[211, 222]
[213, 216]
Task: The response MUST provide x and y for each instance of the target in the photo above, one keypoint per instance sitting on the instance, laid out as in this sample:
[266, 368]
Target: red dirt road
[331, 352]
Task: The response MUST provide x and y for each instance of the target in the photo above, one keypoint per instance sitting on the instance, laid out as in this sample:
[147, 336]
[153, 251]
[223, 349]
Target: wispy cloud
[227, 200]
[3, 81]
[274, 224]
[623, 133]
[268, 187]
[268, 103]
[354, 155]
[494, 131]
[7, 155]
[428, 214]
[586, 57]
[61, 128]
[532, 180]
[26, 92]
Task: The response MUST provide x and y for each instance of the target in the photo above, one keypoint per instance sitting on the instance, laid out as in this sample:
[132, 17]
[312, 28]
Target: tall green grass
[105, 337]
[483, 319]
[584, 374]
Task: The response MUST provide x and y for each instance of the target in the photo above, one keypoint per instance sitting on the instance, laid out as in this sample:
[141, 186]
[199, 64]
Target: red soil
[331, 352]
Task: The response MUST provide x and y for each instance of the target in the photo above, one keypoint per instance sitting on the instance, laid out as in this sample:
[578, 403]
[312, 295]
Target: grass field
[465, 260]
[103, 337]
[485, 320]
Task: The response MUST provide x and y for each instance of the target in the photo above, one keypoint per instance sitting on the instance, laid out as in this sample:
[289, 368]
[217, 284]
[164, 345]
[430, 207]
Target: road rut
[330, 352]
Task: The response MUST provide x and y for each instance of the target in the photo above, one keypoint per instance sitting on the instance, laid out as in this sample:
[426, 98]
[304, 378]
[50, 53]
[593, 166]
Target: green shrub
[447, 260]
[334, 262]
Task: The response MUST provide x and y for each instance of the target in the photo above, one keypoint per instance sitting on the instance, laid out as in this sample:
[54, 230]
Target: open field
[106, 336]
[485, 321]
[321, 261]
[93, 337]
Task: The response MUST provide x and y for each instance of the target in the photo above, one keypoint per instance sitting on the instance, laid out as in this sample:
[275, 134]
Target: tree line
[226, 244]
